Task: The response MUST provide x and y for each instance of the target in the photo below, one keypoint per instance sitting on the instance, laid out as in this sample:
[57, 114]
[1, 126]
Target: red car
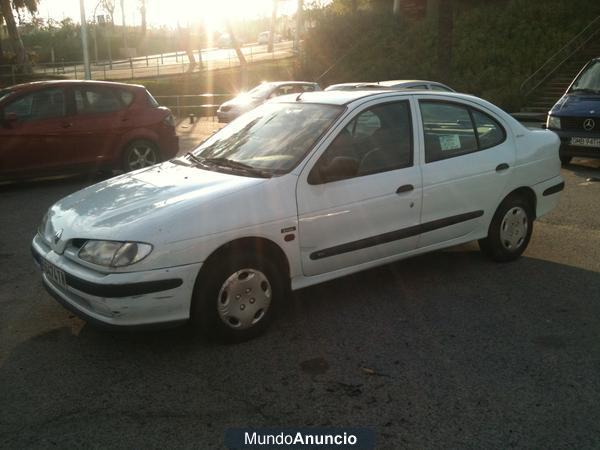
[52, 127]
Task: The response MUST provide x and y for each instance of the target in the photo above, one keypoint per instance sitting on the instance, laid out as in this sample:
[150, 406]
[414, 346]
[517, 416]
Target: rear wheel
[140, 154]
[510, 230]
[235, 299]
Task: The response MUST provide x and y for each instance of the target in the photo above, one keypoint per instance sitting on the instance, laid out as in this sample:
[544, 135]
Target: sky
[169, 12]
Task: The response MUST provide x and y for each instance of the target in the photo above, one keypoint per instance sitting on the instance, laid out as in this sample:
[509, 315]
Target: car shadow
[444, 347]
[589, 169]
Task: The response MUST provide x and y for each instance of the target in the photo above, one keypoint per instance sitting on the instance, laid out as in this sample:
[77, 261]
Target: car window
[274, 136]
[126, 97]
[376, 140]
[308, 87]
[437, 87]
[589, 79]
[38, 105]
[448, 130]
[417, 86]
[489, 131]
[151, 100]
[96, 100]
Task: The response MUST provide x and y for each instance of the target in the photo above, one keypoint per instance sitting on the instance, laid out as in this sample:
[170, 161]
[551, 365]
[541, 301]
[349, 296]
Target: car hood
[139, 205]
[577, 105]
[243, 101]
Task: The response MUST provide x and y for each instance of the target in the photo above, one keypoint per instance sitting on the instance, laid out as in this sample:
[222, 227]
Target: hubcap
[244, 299]
[141, 156]
[513, 229]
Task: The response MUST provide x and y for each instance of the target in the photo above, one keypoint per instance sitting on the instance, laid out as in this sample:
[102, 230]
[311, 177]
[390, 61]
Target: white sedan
[303, 189]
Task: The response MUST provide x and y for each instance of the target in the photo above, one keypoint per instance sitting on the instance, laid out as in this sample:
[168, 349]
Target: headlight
[553, 123]
[114, 253]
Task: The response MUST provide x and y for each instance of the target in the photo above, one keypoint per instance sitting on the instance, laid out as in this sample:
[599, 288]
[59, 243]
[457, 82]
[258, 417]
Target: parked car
[392, 84]
[576, 116]
[260, 94]
[52, 127]
[263, 37]
[225, 41]
[297, 192]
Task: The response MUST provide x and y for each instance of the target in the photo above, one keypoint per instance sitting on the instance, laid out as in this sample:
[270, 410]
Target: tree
[143, 14]
[272, 32]
[6, 11]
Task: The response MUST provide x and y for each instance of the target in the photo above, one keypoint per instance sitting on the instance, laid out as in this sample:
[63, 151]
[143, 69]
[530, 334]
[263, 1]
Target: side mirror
[339, 168]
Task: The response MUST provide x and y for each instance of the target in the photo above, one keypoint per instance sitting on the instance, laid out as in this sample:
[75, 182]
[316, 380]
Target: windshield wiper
[236, 165]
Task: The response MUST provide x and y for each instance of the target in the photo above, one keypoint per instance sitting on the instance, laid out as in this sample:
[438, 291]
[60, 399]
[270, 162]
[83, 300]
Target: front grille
[576, 124]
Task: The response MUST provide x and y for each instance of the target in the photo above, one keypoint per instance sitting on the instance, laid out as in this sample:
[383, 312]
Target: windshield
[260, 91]
[274, 137]
[589, 80]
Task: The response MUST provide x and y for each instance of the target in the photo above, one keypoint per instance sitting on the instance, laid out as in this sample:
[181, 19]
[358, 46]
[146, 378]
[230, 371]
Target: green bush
[496, 45]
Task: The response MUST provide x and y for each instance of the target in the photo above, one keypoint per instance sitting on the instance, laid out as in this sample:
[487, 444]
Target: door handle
[501, 167]
[404, 188]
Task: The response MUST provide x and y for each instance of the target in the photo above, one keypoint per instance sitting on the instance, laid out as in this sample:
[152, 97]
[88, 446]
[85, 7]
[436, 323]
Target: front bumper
[131, 299]
[566, 149]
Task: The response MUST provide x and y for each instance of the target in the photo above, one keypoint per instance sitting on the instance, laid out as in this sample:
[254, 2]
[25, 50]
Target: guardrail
[552, 64]
[151, 66]
[201, 105]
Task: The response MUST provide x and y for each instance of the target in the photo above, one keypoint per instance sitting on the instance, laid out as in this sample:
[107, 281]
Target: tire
[236, 299]
[140, 154]
[564, 159]
[510, 230]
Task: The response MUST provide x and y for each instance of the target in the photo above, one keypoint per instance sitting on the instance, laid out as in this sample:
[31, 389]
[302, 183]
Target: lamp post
[84, 42]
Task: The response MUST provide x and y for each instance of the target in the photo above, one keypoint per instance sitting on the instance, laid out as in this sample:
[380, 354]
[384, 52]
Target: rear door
[101, 118]
[468, 160]
[35, 142]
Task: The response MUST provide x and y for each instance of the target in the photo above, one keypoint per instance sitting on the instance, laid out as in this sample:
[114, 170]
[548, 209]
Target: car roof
[387, 84]
[341, 98]
[49, 83]
[280, 83]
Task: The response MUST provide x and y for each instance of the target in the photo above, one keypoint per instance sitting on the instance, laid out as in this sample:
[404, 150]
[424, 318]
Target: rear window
[151, 100]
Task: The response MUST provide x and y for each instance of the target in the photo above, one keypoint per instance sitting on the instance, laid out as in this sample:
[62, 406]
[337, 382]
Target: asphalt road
[443, 350]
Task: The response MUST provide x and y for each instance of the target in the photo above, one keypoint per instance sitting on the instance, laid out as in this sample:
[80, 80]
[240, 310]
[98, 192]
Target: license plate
[585, 142]
[54, 274]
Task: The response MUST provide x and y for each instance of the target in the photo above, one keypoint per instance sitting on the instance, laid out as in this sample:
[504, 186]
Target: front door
[361, 200]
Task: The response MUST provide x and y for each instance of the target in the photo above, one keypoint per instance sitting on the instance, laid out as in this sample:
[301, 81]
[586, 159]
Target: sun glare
[172, 13]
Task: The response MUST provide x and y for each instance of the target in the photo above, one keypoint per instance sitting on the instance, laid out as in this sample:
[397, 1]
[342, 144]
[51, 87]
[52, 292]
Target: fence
[201, 105]
[152, 66]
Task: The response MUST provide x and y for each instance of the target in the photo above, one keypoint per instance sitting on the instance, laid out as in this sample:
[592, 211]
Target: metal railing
[159, 65]
[201, 105]
[552, 64]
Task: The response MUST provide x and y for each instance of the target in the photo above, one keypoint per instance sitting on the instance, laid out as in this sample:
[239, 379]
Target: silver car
[260, 94]
[392, 84]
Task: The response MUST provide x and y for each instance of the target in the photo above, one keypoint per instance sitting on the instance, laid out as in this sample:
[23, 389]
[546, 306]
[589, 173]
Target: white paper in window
[449, 142]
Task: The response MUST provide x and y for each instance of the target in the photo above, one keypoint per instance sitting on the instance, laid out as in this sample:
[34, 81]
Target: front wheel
[235, 299]
[140, 154]
[510, 230]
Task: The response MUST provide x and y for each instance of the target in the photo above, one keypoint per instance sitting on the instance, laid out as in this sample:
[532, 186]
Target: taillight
[169, 120]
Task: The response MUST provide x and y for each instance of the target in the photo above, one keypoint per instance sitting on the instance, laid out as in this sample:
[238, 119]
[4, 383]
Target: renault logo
[57, 236]
[589, 124]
